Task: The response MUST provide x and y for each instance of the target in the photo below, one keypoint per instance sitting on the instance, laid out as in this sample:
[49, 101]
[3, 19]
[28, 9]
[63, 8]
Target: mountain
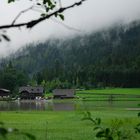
[108, 57]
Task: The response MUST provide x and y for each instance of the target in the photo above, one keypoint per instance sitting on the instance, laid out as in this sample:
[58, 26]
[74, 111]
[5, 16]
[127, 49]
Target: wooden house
[63, 93]
[4, 92]
[31, 92]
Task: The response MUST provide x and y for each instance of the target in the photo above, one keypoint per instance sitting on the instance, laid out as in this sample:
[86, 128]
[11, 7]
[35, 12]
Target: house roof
[68, 92]
[5, 90]
[31, 89]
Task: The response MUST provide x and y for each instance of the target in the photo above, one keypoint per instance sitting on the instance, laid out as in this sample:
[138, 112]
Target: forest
[107, 58]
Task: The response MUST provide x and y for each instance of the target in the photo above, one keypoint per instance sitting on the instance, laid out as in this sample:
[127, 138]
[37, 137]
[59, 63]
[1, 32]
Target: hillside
[109, 57]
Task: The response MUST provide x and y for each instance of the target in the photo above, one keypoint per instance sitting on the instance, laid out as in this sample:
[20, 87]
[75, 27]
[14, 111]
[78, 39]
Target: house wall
[3, 93]
[27, 95]
[31, 92]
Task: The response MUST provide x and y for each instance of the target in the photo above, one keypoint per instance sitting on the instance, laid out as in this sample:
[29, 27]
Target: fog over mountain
[93, 15]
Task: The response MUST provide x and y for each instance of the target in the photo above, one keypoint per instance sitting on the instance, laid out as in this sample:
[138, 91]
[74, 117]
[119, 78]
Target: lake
[66, 105]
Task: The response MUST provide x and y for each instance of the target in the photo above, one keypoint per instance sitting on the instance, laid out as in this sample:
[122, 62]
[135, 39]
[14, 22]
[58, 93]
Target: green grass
[63, 125]
[67, 125]
[134, 91]
[115, 94]
[130, 94]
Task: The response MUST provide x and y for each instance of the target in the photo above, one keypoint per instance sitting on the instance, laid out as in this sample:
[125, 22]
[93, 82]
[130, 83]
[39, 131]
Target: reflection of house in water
[63, 106]
[4, 92]
[30, 92]
[63, 93]
[31, 105]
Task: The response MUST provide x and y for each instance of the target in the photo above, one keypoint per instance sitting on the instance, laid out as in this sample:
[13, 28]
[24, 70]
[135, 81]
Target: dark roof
[32, 89]
[65, 92]
[5, 90]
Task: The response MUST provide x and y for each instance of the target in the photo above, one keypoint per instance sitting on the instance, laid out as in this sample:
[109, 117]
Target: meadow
[129, 91]
[68, 125]
[115, 94]
[63, 125]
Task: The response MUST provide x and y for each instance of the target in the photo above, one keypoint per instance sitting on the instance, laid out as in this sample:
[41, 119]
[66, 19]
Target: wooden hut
[4, 92]
[31, 92]
[63, 93]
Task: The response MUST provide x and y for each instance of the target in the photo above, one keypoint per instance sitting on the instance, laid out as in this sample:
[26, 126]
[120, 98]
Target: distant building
[31, 92]
[63, 93]
[4, 92]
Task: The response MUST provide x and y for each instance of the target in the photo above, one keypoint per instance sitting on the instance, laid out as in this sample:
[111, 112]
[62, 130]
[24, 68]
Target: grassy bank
[134, 91]
[113, 94]
[63, 125]
[103, 92]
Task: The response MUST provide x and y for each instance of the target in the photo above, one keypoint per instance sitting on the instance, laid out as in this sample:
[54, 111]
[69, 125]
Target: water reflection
[35, 105]
[63, 105]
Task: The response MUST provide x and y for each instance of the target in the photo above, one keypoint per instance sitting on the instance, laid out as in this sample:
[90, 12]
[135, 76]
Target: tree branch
[65, 25]
[32, 23]
[26, 10]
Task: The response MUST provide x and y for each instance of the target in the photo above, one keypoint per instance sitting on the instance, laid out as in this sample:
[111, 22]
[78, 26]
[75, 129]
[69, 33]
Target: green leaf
[49, 2]
[61, 16]
[3, 132]
[38, 4]
[5, 37]
[137, 128]
[97, 127]
[30, 136]
[9, 1]
[100, 134]
[107, 131]
[43, 14]
[110, 138]
[98, 121]
[1, 123]
[44, 1]
[55, 14]
[52, 6]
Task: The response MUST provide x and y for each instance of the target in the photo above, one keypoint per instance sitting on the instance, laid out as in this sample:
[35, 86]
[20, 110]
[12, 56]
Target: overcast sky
[93, 15]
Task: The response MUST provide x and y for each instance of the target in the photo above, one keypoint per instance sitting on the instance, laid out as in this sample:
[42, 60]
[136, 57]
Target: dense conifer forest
[107, 58]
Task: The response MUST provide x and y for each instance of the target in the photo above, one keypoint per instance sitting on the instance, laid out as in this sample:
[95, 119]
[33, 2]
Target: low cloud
[93, 15]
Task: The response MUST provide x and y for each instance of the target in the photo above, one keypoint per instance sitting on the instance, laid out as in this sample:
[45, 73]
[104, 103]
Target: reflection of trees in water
[22, 105]
[66, 105]
[45, 105]
[36, 105]
[32, 105]
[6, 105]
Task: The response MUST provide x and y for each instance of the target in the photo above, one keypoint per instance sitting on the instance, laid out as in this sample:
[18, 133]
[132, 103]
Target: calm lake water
[66, 105]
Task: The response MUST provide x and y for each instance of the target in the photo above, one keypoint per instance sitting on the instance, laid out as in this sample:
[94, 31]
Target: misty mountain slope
[110, 57]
